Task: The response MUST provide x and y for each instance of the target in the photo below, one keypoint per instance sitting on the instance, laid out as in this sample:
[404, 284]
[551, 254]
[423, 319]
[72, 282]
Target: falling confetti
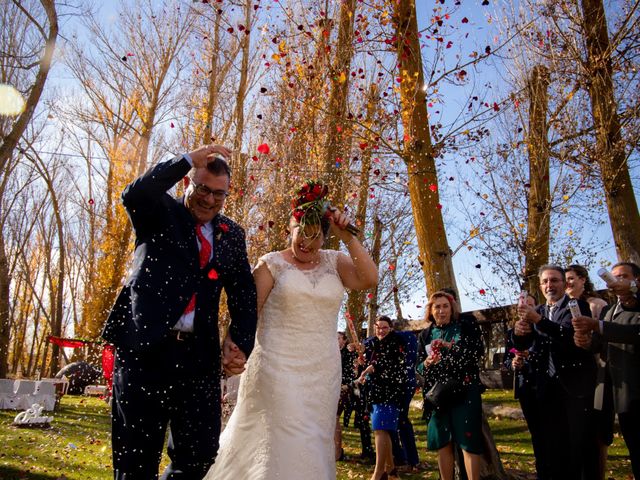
[11, 101]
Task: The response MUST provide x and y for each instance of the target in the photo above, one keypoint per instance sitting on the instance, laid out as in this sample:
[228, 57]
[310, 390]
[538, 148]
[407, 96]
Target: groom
[164, 323]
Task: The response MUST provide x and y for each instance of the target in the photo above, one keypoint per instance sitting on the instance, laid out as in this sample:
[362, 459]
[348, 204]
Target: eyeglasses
[202, 191]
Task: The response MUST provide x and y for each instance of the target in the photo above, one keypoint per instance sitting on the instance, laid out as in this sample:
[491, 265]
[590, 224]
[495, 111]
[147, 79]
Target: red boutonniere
[222, 228]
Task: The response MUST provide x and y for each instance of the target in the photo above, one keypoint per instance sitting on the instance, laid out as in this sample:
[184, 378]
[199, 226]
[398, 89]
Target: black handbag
[445, 394]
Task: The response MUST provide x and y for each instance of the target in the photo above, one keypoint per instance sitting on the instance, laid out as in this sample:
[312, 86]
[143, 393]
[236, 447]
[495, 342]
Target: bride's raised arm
[357, 271]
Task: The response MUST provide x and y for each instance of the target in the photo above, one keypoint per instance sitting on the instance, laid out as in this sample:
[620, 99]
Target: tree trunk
[10, 142]
[7, 148]
[539, 200]
[355, 301]
[214, 76]
[418, 154]
[239, 164]
[5, 281]
[375, 255]
[610, 151]
[338, 136]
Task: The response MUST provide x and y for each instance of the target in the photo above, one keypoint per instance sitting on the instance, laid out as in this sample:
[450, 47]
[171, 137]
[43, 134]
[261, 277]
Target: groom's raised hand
[233, 359]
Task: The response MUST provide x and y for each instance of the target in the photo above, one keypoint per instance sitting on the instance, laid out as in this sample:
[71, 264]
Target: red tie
[205, 253]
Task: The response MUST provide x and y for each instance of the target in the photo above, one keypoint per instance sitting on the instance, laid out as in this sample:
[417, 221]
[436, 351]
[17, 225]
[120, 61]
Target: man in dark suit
[617, 338]
[164, 323]
[565, 387]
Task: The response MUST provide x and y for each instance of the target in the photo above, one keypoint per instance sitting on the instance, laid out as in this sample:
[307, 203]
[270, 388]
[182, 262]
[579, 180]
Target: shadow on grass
[10, 473]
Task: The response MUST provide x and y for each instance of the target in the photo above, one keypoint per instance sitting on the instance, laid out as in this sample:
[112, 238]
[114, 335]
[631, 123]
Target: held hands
[203, 155]
[519, 358]
[233, 359]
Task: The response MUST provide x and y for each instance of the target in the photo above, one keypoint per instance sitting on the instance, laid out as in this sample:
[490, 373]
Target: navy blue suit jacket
[575, 367]
[166, 271]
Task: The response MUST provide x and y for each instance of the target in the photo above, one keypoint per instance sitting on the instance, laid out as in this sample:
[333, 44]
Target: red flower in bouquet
[309, 205]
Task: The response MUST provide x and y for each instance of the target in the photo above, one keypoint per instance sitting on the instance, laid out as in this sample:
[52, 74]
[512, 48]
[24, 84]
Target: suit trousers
[533, 415]
[568, 433]
[169, 384]
[630, 429]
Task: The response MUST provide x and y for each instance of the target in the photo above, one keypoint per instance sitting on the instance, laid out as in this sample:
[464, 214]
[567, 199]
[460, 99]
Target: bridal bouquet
[309, 203]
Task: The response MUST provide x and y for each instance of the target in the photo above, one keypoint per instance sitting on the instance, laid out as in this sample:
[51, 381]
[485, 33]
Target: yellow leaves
[276, 58]
[565, 198]
[342, 78]
[282, 47]
[384, 18]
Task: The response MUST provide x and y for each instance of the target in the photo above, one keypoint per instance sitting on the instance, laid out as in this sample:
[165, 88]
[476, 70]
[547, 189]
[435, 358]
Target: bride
[283, 424]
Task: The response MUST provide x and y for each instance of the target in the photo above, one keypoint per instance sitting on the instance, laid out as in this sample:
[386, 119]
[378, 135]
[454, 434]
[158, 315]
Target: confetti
[11, 101]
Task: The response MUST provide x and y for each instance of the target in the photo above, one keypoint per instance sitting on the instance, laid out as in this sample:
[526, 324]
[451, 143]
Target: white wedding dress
[283, 424]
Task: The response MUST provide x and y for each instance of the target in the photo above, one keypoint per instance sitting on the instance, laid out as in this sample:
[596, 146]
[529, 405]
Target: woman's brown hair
[455, 309]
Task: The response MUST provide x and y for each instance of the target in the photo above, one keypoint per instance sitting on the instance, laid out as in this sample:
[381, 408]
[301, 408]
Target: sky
[470, 281]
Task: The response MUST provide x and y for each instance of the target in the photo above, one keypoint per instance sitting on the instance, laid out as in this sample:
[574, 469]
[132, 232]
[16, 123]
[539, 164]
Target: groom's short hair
[217, 166]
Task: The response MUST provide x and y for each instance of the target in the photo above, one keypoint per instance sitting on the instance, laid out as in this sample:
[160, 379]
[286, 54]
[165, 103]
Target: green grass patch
[77, 446]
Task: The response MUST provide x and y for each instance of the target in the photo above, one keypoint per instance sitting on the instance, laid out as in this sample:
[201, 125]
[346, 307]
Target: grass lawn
[77, 446]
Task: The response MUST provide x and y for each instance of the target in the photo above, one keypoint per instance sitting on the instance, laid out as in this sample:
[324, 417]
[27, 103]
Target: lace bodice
[303, 304]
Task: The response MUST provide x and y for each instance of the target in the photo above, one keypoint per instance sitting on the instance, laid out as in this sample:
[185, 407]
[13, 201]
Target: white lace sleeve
[331, 257]
[271, 261]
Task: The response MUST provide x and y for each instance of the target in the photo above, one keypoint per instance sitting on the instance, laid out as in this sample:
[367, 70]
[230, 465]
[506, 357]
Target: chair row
[21, 394]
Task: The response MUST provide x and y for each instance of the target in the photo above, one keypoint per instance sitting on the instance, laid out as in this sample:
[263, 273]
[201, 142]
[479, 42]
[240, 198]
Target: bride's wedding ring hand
[233, 359]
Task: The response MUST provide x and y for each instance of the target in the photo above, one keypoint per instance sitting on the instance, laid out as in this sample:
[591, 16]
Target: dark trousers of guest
[168, 384]
[534, 417]
[403, 441]
[363, 424]
[630, 428]
[568, 433]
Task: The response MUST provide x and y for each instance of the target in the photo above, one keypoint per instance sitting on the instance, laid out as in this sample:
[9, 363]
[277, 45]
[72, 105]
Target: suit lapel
[216, 241]
[190, 231]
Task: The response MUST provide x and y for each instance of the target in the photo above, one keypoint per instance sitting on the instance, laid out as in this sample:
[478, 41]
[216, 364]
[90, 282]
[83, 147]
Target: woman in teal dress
[451, 348]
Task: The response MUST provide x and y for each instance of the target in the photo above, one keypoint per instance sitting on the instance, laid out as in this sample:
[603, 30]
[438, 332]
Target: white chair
[45, 395]
[6, 392]
[24, 390]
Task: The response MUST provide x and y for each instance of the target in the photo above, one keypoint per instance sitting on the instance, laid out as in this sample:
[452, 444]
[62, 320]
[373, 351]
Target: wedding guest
[451, 349]
[386, 376]
[347, 359]
[526, 364]
[579, 285]
[362, 418]
[565, 383]
[405, 452]
[617, 337]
